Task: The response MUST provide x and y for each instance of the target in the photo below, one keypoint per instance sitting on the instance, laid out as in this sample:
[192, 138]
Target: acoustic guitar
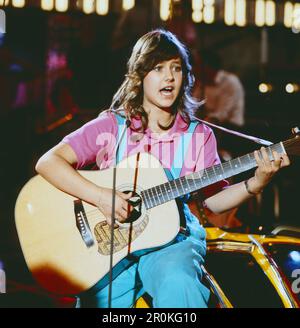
[66, 241]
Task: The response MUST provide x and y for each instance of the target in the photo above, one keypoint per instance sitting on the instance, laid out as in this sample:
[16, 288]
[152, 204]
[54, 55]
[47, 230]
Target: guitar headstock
[292, 146]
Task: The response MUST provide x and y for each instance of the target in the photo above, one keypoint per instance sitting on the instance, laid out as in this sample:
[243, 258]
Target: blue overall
[171, 275]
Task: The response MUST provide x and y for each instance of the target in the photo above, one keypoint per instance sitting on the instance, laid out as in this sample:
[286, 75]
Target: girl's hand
[122, 207]
[266, 169]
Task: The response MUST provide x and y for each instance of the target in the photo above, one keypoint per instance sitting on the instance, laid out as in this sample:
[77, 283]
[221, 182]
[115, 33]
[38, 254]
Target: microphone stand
[238, 134]
[127, 124]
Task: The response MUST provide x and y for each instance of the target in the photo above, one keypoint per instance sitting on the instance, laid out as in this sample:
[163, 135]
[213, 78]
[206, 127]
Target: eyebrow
[176, 61]
[173, 61]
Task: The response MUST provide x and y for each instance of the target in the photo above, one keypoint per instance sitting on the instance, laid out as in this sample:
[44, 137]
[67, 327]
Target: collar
[179, 127]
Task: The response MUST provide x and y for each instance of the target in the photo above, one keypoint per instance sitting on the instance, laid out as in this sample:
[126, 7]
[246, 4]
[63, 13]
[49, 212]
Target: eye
[157, 68]
[177, 68]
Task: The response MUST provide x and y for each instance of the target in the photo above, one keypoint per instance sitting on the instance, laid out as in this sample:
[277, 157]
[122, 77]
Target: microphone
[126, 126]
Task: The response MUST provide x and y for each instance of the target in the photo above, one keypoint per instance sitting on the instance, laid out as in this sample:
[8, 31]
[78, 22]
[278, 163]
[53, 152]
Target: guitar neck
[181, 186]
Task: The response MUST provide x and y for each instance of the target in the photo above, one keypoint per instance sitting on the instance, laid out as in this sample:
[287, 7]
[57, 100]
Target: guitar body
[66, 242]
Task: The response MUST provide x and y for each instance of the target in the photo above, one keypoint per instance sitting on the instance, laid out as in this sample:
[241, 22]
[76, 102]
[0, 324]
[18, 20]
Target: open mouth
[166, 91]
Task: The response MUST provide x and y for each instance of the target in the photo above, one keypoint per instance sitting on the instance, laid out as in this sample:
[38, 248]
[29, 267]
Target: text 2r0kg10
[170, 317]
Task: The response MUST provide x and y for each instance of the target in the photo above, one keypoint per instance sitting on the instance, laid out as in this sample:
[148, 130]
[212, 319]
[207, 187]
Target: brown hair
[152, 48]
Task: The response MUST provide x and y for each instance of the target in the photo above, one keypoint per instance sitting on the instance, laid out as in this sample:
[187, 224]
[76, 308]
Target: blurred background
[61, 62]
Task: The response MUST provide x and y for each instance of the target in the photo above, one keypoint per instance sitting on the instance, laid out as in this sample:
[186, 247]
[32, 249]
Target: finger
[127, 207]
[120, 194]
[266, 159]
[285, 160]
[123, 200]
[277, 160]
[115, 214]
[258, 159]
[126, 196]
[122, 215]
[116, 217]
[108, 220]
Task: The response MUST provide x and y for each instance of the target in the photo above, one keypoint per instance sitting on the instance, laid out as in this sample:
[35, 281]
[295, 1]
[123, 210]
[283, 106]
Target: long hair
[152, 48]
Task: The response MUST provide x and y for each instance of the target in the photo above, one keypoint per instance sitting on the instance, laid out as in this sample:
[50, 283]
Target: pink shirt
[95, 142]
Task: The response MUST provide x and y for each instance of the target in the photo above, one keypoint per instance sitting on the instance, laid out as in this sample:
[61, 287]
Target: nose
[169, 75]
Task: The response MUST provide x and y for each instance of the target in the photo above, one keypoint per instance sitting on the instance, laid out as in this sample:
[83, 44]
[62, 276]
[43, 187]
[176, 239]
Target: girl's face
[162, 85]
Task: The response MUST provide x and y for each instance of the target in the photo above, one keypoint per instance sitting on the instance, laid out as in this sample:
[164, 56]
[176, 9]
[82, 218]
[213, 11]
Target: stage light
[4, 2]
[197, 16]
[209, 11]
[292, 16]
[291, 88]
[197, 5]
[128, 4]
[102, 7]
[296, 19]
[229, 12]
[260, 12]
[203, 10]
[88, 6]
[270, 13]
[61, 5]
[165, 9]
[47, 4]
[18, 3]
[265, 87]
[288, 14]
[240, 14]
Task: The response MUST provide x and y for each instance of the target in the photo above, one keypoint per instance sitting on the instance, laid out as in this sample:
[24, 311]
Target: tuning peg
[296, 131]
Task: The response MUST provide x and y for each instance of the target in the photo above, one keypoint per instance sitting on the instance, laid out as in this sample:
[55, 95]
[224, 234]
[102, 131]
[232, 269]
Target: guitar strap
[122, 147]
[181, 152]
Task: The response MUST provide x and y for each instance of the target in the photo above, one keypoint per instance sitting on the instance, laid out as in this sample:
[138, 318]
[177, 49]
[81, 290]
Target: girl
[155, 96]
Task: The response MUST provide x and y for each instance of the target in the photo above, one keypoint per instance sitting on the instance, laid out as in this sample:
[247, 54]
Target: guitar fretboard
[181, 186]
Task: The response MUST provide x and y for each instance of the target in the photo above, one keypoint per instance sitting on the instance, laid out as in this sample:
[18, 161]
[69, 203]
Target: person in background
[223, 91]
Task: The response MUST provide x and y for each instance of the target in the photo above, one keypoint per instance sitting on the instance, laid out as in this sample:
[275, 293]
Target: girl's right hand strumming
[122, 207]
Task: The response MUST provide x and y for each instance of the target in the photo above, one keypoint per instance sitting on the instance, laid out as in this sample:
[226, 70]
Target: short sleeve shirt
[95, 143]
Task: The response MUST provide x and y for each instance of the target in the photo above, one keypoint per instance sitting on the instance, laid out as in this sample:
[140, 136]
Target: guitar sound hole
[136, 202]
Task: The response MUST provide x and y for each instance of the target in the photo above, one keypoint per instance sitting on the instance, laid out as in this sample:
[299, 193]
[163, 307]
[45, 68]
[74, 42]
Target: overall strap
[122, 147]
[181, 152]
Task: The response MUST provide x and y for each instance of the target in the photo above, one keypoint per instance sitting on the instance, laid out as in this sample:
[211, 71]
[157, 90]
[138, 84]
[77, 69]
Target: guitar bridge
[82, 223]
